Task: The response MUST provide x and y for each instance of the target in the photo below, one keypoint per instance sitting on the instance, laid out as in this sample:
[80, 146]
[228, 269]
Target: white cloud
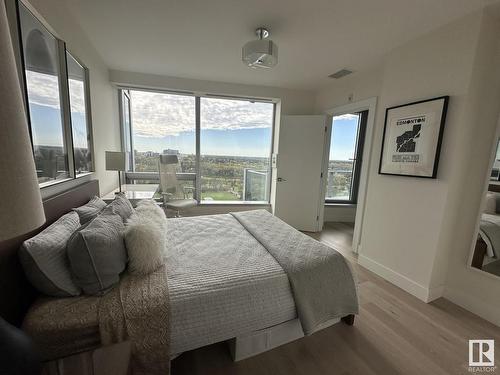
[347, 116]
[43, 89]
[159, 115]
[76, 96]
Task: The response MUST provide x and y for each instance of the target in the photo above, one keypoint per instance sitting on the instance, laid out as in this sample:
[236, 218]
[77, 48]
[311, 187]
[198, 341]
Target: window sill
[337, 204]
[80, 175]
[235, 203]
[48, 184]
[52, 188]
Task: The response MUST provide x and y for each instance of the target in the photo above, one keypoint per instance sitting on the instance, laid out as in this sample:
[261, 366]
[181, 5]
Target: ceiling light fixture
[261, 53]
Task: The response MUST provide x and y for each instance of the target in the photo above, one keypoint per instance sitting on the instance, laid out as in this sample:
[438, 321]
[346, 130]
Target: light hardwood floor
[395, 333]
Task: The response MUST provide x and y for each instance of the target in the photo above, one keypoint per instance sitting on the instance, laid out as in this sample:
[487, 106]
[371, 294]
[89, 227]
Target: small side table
[111, 359]
[134, 192]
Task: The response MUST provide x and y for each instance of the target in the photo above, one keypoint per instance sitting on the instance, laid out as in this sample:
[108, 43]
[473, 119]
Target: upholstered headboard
[16, 294]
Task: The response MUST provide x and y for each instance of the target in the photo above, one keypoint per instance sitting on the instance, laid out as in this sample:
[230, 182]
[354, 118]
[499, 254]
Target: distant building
[169, 151]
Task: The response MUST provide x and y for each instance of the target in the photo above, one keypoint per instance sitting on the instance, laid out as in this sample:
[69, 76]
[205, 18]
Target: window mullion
[65, 107]
[198, 148]
[88, 116]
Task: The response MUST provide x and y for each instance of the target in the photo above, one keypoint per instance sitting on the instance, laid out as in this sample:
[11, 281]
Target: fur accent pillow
[150, 209]
[145, 239]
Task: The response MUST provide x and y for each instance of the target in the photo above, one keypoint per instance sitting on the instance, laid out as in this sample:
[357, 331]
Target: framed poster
[412, 138]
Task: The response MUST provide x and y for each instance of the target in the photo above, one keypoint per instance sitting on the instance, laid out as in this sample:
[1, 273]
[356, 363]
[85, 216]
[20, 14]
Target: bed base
[251, 344]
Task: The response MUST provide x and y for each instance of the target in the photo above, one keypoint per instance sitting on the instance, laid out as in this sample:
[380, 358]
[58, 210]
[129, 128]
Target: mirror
[486, 250]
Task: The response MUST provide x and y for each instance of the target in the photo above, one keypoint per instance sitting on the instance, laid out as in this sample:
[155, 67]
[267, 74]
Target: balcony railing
[339, 184]
[187, 182]
[155, 176]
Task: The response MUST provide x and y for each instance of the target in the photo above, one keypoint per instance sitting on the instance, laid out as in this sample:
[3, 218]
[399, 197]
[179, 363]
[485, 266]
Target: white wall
[470, 288]
[404, 215]
[417, 232]
[104, 98]
[344, 213]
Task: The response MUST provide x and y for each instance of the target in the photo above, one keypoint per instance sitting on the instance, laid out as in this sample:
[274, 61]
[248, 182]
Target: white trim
[370, 105]
[401, 281]
[324, 173]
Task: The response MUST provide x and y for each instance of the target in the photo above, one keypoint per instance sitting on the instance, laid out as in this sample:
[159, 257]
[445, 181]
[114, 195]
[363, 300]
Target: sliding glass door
[225, 142]
[235, 148]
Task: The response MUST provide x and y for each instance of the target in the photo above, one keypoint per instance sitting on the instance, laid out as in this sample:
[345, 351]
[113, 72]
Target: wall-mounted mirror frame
[485, 247]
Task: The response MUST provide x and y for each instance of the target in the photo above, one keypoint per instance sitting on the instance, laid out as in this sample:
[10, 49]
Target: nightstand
[112, 359]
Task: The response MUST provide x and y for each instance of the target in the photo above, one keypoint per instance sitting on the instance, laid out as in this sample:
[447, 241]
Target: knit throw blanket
[322, 282]
[138, 310]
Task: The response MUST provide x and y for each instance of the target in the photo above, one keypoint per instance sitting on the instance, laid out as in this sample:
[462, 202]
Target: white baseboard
[474, 304]
[405, 283]
[435, 293]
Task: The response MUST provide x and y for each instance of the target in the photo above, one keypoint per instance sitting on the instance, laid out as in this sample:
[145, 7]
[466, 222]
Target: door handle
[280, 179]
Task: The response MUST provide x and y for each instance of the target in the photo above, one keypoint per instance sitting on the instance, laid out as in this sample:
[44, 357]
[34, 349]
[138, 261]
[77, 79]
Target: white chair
[170, 186]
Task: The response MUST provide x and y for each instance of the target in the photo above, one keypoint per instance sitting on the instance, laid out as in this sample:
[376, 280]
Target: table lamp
[116, 161]
[21, 209]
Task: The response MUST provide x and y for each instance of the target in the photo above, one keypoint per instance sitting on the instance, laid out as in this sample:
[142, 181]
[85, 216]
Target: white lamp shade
[116, 161]
[21, 209]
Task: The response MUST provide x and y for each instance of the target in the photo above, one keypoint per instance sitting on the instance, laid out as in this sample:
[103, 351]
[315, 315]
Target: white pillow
[490, 206]
[150, 209]
[145, 239]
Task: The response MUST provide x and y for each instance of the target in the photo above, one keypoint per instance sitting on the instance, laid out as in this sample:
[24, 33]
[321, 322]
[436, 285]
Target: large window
[346, 150]
[41, 60]
[163, 124]
[235, 149]
[232, 159]
[56, 93]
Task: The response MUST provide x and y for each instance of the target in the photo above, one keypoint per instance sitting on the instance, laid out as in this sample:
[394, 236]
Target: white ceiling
[202, 39]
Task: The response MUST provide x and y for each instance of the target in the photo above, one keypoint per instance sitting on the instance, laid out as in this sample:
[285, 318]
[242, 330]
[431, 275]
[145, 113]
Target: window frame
[88, 112]
[357, 162]
[126, 89]
[125, 94]
[13, 9]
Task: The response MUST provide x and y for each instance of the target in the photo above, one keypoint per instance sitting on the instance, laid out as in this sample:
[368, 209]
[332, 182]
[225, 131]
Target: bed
[224, 285]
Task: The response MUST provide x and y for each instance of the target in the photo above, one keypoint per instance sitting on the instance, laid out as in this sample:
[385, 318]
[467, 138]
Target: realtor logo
[481, 353]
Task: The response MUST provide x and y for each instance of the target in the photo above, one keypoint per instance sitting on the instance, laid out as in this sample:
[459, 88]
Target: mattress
[222, 283]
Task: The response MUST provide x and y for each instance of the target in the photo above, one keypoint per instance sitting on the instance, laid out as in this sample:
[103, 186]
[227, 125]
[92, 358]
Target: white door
[299, 182]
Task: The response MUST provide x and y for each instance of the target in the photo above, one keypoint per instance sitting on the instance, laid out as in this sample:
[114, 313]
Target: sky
[163, 121]
[228, 127]
[344, 134]
[45, 115]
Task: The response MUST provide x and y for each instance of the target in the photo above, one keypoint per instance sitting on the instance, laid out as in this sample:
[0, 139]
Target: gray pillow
[120, 206]
[97, 253]
[45, 261]
[90, 210]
